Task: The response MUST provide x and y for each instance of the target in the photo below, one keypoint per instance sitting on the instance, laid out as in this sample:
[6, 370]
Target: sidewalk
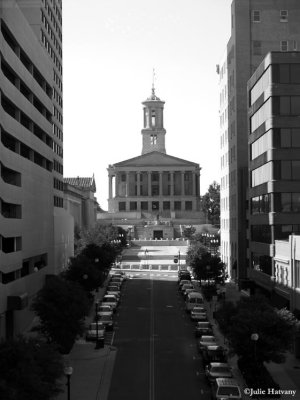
[287, 374]
[92, 369]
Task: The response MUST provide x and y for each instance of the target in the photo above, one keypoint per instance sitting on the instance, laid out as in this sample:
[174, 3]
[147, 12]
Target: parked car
[105, 310]
[203, 328]
[225, 388]
[114, 291]
[188, 291]
[217, 370]
[107, 321]
[91, 334]
[193, 299]
[116, 280]
[111, 300]
[186, 286]
[183, 282]
[206, 340]
[198, 314]
[213, 354]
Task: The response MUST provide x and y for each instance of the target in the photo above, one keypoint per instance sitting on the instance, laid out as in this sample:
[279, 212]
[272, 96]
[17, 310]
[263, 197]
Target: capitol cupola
[153, 131]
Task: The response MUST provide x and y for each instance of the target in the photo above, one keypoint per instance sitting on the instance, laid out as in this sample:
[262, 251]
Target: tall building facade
[154, 188]
[257, 27]
[36, 233]
[274, 162]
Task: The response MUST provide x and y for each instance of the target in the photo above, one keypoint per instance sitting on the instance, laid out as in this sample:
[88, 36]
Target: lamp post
[254, 338]
[179, 259]
[97, 330]
[68, 372]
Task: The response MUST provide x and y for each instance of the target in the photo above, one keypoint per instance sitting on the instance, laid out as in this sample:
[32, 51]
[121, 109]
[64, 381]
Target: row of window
[51, 34]
[57, 80]
[276, 105]
[281, 73]
[228, 180]
[229, 157]
[58, 115]
[56, 25]
[58, 185]
[10, 176]
[10, 244]
[284, 45]
[58, 167]
[26, 92]
[277, 170]
[51, 52]
[276, 138]
[29, 266]
[58, 202]
[154, 205]
[57, 97]
[11, 41]
[15, 145]
[57, 149]
[11, 109]
[263, 233]
[57, 132]
[283, 16]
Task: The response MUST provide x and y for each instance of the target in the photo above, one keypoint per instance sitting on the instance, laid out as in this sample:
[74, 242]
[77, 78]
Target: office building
[257, 27]
[36, 233]
[274, 162]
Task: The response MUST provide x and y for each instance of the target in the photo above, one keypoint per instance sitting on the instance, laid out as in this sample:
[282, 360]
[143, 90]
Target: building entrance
[158, 234]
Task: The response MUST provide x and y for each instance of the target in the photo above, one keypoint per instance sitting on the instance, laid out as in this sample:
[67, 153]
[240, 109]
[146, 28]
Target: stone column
[172, 183]
[117, 175]
[149, 183]
[160, 183]
[182, 183]
[127, 183]
[138, 183]
[194, 183]
[110, 185]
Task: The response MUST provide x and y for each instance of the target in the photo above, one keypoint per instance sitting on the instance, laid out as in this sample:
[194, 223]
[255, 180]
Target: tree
[275, 329]
[29, 369]
[85, 272]
[189, 231]
[205, 265]
[61, 306]
[210, 203]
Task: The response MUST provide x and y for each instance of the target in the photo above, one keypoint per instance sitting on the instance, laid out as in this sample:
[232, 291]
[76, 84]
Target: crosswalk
[151, 274]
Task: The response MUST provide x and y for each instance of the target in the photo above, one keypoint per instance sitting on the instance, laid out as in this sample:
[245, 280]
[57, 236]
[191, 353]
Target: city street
[156, 349]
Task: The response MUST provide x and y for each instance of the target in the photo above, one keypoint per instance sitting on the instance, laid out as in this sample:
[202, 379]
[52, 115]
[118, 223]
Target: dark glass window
[122, 206]
[144, 205]
[261, 233]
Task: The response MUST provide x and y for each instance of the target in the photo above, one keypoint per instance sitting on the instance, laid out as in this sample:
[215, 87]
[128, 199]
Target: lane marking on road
[169, 306]
[151, 346]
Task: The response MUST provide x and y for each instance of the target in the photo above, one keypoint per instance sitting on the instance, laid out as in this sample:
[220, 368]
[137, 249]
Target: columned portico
[154, 186]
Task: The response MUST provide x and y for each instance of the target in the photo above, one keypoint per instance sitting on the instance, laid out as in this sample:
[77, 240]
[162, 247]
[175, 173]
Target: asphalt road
[157, 357]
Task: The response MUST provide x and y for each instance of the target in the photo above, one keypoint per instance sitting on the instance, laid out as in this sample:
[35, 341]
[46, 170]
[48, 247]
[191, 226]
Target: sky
[110, 48]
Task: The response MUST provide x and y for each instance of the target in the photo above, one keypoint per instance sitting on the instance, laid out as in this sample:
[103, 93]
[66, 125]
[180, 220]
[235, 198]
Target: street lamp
[68, 372]
[146, 257]
[254, 338]
[98, 345]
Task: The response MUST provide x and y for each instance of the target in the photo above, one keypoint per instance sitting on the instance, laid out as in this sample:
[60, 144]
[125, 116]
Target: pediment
[155, 158]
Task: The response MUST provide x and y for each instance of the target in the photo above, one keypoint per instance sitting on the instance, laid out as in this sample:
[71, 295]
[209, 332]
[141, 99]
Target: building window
[256, 16]
[177, 205]
[133, 206]
[166, 205]
[122, 206]
[153, 118]
[261, 233]
[261, 204]
[155, 205]
[123, 177]
[284, 45]
[144, 205]
[153, 140]
[283, 15]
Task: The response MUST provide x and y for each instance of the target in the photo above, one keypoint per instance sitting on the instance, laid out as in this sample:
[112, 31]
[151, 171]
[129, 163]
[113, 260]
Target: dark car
[214, 354]
[106, 321]
[203, 328]
[217, 370]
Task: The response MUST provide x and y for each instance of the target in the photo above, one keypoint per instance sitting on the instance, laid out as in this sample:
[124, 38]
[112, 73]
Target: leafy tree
[275, 329]
[103, 256]
[205, 265]
[29, 369]
[189, 231]
[61, 306]
[210, 203]
[85, 272]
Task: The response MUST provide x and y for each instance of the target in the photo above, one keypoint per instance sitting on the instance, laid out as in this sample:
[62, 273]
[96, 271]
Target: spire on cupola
[153, 132]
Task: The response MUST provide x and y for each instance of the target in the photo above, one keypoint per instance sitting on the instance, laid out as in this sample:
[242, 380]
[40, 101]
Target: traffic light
[175, 259]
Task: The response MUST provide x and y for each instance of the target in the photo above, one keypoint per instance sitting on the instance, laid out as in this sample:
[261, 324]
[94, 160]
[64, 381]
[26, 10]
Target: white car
[92, 332]
[110, 300]
[206, 340]
[198, 314]
[104, 310]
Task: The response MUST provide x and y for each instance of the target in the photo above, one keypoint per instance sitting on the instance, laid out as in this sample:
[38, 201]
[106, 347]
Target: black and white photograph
[149, 199]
